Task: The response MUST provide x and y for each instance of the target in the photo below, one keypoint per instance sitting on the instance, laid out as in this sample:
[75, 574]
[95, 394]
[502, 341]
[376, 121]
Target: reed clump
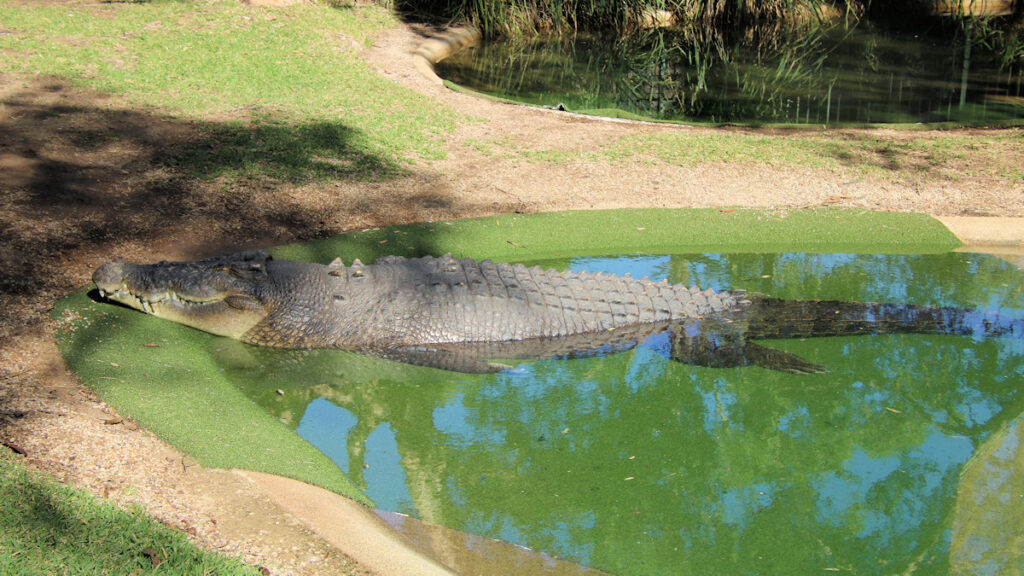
[960, 19]
[514, 17]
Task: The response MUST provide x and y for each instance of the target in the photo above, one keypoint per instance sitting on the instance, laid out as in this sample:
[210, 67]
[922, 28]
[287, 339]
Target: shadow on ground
[82, 179]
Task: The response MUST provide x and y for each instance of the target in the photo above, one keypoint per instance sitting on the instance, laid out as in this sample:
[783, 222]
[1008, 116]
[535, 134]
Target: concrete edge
[390, 544]
[346, 525]
[439, 47]
[995, 234]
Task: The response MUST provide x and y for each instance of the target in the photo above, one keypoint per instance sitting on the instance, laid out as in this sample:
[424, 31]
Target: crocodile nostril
[109, 275]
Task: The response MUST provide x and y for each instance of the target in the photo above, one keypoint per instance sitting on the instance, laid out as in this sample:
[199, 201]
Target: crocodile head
[225, 295]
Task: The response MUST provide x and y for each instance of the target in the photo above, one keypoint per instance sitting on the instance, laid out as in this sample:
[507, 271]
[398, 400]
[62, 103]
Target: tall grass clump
[514, 17]
[738, 13]
[504, 18]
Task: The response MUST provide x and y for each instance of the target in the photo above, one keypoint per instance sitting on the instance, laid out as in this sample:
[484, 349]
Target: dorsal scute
[336, 267]
[534, 284]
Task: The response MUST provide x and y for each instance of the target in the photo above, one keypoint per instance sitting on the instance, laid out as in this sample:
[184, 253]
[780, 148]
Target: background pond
[805, 75]
[635, 464]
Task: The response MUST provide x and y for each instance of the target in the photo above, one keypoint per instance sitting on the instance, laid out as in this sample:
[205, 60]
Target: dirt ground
[81, 181]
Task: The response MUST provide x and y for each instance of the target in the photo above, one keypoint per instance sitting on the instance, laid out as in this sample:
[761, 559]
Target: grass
[997, 154]
[703, 148]
[48, 528]
[270, 150]
[235, 62]
[953, 154]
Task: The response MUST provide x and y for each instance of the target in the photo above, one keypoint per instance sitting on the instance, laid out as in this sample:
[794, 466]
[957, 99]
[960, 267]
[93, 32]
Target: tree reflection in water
[807, 72]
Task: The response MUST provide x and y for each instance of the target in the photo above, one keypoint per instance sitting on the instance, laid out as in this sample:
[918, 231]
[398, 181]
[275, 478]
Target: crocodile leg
[444, 359]
[718, 344]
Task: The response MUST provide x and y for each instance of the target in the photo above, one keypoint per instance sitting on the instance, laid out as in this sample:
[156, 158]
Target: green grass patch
[233, 61]
[998, 154]
[687, 149]
[952, 155]
[48, 528]
[269, 149]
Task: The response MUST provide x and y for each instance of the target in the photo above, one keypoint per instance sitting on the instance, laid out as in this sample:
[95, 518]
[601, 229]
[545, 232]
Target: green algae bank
[805, 75]
[634, 464]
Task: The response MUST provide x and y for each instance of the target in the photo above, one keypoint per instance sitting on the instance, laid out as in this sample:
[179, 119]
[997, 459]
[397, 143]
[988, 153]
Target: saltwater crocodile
[462, 314]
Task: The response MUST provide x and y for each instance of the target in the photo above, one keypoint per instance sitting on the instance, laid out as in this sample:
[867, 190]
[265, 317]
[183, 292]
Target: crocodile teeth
[147, 303]
[177, 298]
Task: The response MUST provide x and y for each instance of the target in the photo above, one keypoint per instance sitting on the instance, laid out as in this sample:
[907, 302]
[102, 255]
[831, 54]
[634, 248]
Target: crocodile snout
[110, 275]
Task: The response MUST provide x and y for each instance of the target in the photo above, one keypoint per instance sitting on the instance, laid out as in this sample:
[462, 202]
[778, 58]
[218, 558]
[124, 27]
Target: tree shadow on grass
[277, 150]
[82, 180]
[906, 154]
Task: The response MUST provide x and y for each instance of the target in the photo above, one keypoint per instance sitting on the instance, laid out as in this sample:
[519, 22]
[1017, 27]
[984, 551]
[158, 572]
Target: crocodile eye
[248, 271]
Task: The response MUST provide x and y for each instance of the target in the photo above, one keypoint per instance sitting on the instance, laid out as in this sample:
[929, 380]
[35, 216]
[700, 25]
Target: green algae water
[900, 458]
[815, 75]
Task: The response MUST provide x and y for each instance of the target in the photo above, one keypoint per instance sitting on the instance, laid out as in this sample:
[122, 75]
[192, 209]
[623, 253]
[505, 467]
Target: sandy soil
[81, 181]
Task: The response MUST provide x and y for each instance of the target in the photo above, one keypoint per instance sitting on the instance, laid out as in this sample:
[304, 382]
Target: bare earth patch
[82, 180]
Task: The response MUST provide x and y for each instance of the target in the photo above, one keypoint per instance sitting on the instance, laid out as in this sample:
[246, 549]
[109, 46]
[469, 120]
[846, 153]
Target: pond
[897, 458]
[804, 75]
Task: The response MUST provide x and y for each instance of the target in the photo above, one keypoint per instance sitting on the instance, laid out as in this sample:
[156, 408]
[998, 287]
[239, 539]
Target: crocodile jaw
[226, 313]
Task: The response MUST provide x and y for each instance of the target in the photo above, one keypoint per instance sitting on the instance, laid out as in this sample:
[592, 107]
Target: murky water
[808, 75]
[900, 456]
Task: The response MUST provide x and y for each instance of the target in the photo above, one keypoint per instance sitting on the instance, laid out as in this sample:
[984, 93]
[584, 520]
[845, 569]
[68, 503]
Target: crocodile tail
[779, 318]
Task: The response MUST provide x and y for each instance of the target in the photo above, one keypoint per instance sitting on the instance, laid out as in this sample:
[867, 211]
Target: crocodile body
[460, 314]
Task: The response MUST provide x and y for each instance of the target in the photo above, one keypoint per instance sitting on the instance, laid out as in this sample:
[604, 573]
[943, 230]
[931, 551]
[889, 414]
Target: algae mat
[167, 378]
